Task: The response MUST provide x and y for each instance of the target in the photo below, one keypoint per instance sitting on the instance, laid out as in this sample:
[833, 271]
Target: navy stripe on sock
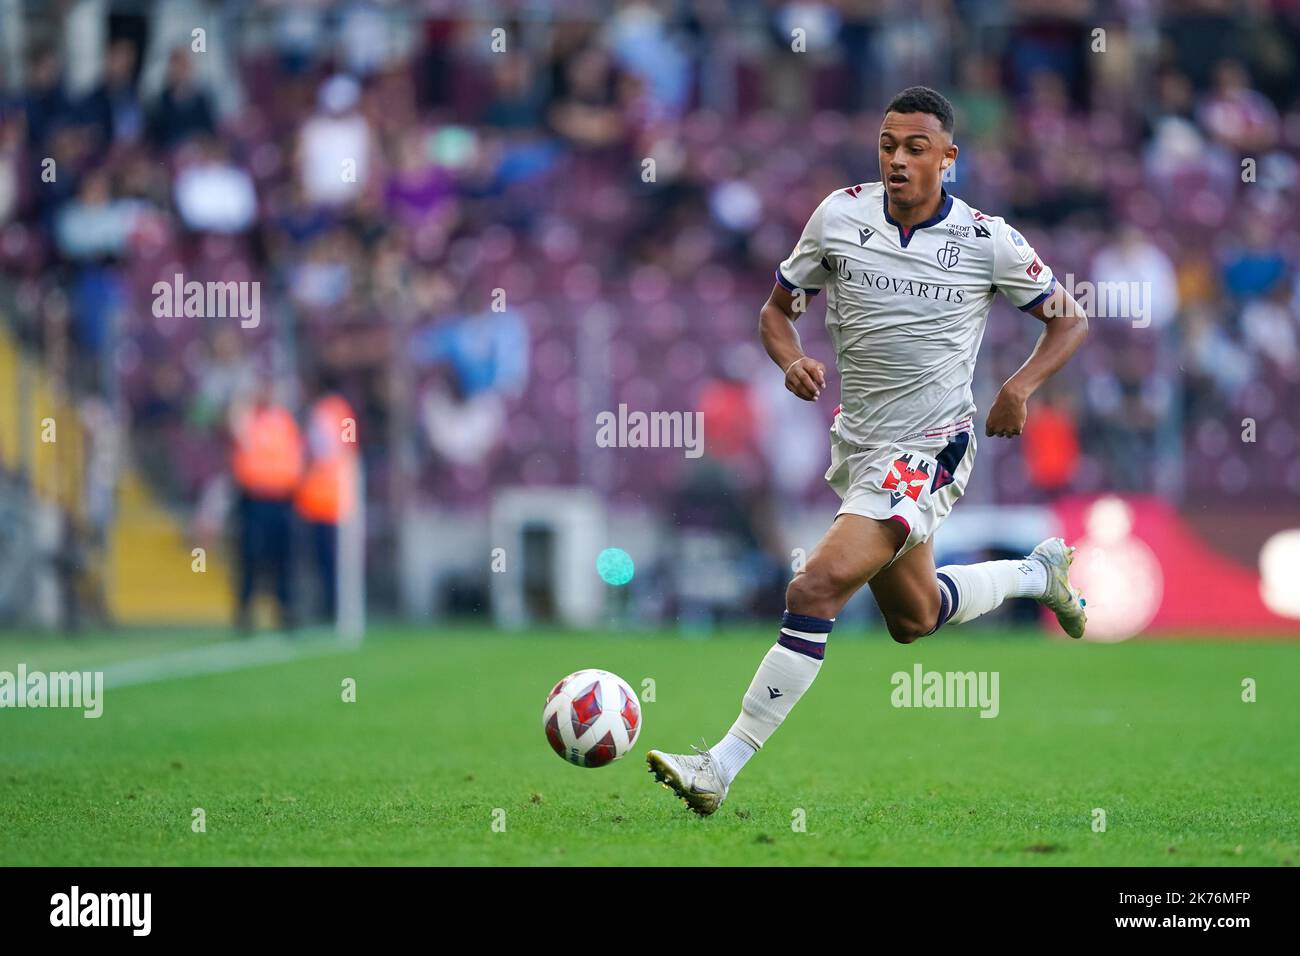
[947, 589]
[945, 608]
[802, 646]
[807, 623]
[944, 613]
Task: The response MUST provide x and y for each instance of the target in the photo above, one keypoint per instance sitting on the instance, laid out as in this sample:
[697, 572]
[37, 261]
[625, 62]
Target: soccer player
[910, 273]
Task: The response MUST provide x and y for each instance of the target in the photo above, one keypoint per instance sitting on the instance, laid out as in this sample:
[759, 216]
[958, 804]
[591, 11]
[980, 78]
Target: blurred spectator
[418, 188]
[462, 429]
[125, 114]
[47, 105]
[488, 351]
[518, 102]
[792, 435]
[98, 298]
[643, 46]
[1237, 115]
[1214, 355]
[1132, 262]
[1255, 267]
[225, 374]
[1053, 42]
[730, 423]
[979, 102]
[585, 109]
[367, 36]
[327, 495]
[95, 224]
[1269, 327]
[298, 35]
[266, 463]
[115, 103]
[334, 145]
[485, 361]
[323, 278]
[212, 193]
[1128, 403]
[1177, 152]
[1051, 445]
[183, 109]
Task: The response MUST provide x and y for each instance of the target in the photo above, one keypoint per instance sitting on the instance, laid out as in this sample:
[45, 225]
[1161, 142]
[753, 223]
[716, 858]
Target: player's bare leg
[849, 555]
[852, 551]
[912, 592]
[908, 594]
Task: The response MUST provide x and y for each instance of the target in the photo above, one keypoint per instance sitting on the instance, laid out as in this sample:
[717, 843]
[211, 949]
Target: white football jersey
[906, 310]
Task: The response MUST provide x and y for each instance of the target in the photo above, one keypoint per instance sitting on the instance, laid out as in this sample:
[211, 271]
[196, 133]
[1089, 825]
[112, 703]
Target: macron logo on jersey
[864, 234]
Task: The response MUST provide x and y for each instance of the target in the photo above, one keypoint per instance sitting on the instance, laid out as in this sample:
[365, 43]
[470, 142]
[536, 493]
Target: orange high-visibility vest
[1051, 447]
[328, 491]
[267, 459]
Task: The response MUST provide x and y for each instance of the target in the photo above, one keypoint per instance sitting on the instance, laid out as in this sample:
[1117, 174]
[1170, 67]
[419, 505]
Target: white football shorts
[915, 481]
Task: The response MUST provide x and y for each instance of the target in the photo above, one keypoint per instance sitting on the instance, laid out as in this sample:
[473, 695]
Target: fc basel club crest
[949, 254]
[903, 479]
[909, 473]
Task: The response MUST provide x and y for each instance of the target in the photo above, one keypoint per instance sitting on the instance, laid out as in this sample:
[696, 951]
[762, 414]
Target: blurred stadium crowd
[490, 237]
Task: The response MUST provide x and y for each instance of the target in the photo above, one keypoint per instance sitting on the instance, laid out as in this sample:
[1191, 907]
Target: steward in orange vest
[328, 492]
[267, 459]
[266, 462]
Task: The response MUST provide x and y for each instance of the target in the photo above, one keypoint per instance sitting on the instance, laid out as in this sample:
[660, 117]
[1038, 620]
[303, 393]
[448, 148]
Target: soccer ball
[591, 718]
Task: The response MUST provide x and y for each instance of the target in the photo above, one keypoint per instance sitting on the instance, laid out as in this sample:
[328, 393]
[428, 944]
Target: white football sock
[982, 587]
[731, 754]
[778, 684]
[787, 671]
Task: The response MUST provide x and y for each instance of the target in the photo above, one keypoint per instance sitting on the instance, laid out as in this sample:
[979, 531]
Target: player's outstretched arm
[804, 376]
[1066, 326]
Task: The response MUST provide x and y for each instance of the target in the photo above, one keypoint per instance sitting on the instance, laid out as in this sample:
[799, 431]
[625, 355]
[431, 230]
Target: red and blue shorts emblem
[909, 473]
[907, 478]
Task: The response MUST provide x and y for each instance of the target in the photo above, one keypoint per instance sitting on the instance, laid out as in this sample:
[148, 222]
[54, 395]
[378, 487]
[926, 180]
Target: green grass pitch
[446, 733]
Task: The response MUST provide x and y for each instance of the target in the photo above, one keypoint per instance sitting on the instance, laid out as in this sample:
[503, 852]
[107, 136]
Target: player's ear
[949, 155]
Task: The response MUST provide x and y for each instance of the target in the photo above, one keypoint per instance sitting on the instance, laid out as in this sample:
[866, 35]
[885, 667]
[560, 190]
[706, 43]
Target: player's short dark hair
[922, 99]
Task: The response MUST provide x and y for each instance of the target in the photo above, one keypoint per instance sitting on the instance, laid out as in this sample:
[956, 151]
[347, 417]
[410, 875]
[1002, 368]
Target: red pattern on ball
[603, 752]
[631, 713]
[555, 690]
[587, 708]
[553, 735]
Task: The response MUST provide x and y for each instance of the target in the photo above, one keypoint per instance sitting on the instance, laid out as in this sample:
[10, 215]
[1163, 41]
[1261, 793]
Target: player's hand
[1007, 416]
[806, 377]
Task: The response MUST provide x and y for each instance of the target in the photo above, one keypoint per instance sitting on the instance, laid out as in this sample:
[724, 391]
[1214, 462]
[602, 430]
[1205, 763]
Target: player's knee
[802, 593]
[906, 628]
[817, 591]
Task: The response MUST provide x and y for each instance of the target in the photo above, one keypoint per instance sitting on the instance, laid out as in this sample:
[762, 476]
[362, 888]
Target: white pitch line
[219, 659]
